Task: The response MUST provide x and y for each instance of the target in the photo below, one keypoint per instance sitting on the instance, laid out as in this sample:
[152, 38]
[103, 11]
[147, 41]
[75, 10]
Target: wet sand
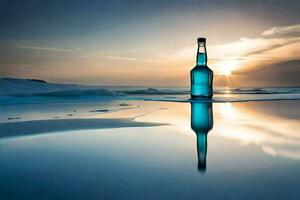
[150, 151]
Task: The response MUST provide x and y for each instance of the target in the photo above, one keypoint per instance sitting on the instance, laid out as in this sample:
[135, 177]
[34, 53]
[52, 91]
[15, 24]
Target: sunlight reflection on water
[242, 122]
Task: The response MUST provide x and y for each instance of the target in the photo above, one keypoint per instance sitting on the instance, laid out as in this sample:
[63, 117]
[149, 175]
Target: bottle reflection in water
[201, 123]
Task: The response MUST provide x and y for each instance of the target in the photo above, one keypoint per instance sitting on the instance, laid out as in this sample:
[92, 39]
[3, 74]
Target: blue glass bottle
[201, 124]
[201, 75]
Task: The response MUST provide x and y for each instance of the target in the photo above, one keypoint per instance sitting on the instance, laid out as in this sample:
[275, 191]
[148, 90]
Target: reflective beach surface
[247, 150]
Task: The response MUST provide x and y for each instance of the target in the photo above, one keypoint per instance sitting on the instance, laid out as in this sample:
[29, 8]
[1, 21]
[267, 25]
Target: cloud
[47, 48]
[283, 31]
[113, 54]
[116, 55]
[121, 58]
[116, 52]
[274, 45]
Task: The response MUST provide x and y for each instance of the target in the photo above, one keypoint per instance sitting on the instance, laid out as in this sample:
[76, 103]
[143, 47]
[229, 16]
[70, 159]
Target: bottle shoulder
[202, 67]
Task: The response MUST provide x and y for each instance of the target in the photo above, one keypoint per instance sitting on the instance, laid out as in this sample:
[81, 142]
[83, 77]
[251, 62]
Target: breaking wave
[155, 91]
[151, 94]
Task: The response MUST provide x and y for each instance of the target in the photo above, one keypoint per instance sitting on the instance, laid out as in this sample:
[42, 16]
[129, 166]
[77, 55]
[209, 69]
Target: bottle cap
[201, 40]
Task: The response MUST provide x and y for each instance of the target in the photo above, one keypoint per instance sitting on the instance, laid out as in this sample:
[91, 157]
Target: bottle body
[201, 75]
[201, 82]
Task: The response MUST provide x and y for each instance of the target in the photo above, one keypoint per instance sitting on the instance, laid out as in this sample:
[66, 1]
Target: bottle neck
[201, 55]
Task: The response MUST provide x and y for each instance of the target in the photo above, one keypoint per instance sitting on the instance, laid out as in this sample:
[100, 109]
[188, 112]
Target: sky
[150, 42]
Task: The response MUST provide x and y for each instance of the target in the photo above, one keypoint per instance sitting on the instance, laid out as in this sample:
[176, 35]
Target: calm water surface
[251, 151]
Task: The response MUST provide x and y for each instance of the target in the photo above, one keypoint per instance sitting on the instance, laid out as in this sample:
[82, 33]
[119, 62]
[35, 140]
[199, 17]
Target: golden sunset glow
[130, 53]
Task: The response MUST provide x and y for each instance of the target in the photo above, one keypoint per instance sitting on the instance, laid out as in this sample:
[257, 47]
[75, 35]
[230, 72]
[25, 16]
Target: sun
[225, 72]
[225, 67]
